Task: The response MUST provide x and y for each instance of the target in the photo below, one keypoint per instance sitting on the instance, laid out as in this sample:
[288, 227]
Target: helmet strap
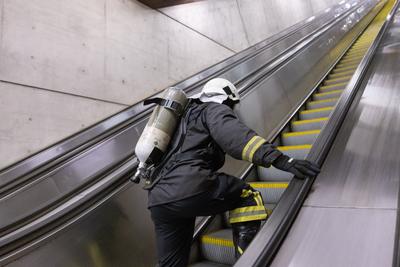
[227, 90]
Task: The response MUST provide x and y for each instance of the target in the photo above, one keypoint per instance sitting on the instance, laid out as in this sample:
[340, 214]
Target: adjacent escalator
[296, 140]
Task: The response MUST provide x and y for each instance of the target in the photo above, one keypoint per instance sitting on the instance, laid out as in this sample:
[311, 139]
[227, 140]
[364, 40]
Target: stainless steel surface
[354, 202]
[119, 232]
[332, 237]
[261, 98]
[363, 167]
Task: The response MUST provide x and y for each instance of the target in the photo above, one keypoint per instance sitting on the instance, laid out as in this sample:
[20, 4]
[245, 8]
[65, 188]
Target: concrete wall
[65, 65]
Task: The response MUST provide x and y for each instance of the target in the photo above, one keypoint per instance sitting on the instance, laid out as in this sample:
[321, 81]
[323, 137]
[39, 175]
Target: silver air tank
[159, 130]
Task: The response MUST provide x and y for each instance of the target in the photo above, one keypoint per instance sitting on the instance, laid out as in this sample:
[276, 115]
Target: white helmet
[218, 90]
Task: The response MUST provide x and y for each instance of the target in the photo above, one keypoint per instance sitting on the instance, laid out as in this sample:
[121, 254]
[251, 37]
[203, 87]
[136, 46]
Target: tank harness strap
[167, 103]
[252, 208]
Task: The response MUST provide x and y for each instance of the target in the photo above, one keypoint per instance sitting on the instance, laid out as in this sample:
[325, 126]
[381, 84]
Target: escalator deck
[217, 247]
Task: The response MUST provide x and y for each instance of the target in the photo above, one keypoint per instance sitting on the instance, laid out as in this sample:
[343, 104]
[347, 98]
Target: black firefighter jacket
[209, 131]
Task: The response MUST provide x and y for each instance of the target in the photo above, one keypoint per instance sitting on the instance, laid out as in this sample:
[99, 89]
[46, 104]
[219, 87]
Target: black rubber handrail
[262, 251]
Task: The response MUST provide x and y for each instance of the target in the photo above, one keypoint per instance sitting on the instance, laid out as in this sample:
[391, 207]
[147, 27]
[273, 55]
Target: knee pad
[250, 208]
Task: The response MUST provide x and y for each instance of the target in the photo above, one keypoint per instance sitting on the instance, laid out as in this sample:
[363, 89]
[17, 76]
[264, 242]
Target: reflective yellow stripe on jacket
[251, 147]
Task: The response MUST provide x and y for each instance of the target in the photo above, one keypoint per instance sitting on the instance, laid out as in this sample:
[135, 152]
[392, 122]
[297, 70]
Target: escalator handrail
[64, 147]
[262, 251]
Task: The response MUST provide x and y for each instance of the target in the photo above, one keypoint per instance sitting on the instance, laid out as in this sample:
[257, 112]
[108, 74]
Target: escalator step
[271, 192]
[299, 138]
[337, 70]
[272, 174]
[359, 52]
[315, 113]
[218, 247]
[322, 103]
[306, 125]
[327, 95]
[348, 65]
[354, 55]
[332, 87]
[350, 61]
[341, 74]
[208, 264]
[297, 152]
[332, 81]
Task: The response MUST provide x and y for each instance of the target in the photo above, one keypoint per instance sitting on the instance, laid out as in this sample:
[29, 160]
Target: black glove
[300, 168]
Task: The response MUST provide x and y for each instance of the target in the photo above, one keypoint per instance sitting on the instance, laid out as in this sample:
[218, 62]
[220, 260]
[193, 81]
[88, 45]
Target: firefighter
[187, 183]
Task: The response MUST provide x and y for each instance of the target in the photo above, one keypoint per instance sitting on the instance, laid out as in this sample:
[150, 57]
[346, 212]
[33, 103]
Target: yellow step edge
[344, 61]
[301, 133]
[332, 85]
[356, 50]
[298, 147]
[348, 63]
[308, 111]
[363, 40]
[346, 68]
[328, 93]
[217, 241]
[354, 54]
[367, 42]
[359, 56]
[361, 46]
[343, 69]
[301, 122]
[344, 73]
[268, 185]
[341, 78]
[324, 100]
[345, 65]
[356, 44]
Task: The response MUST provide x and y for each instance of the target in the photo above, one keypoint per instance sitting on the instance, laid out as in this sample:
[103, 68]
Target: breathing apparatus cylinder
[159, 130]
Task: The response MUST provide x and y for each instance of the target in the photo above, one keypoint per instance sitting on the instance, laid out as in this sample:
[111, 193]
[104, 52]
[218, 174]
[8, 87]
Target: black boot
[243, 234]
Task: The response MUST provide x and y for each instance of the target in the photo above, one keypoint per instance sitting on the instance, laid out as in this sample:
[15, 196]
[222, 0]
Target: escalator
[75, 197]
[296, 140]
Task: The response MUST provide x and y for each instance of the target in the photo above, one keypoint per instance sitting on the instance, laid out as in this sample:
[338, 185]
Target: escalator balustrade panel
[217, 247]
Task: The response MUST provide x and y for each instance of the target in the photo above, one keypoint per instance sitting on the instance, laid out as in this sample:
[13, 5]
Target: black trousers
[174, 222]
